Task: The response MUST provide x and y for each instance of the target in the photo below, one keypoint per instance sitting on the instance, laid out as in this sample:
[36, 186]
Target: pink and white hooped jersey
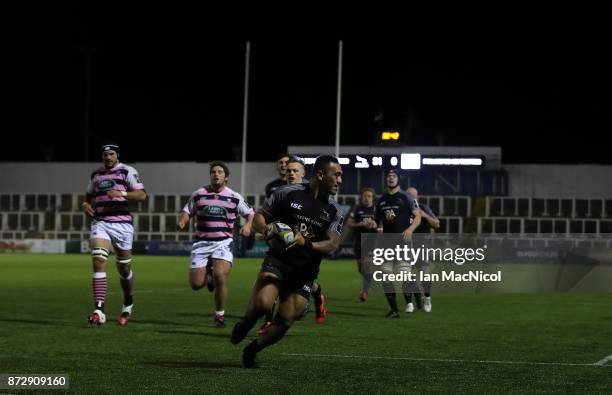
[216, 212]
[120, 178]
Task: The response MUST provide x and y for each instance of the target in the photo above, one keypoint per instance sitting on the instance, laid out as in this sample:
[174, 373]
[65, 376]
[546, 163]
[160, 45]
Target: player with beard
[289, 274]
[295, 172]
[215, 209]
[110, 188]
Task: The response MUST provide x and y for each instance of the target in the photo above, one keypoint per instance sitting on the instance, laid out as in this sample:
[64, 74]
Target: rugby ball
[279, 237]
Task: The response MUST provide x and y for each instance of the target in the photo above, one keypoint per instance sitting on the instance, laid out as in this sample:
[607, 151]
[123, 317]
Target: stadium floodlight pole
[245, 117]
[88, 53]
[339, 99]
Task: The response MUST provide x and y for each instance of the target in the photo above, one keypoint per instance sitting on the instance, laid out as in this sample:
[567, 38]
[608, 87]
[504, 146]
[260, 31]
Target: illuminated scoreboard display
[434, 170]
[411, 161]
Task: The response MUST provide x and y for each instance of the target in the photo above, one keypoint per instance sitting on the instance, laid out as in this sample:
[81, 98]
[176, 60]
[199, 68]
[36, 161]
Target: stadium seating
[59, 215]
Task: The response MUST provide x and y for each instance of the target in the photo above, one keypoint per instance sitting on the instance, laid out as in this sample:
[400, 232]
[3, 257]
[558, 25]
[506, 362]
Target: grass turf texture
[172, 346]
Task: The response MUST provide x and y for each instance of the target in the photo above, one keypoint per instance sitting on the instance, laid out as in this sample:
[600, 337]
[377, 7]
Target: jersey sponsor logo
[105, 185]
[308, 220]
[296, 206]
[215, 211]
[307, 231]
[389, 215]
[137, 178]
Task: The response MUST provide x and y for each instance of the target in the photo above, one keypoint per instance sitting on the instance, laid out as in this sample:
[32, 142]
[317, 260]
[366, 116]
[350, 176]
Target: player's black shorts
[297, 280]
[368, 242]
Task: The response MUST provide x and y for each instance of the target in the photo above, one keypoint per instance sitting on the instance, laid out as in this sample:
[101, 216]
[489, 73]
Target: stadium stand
[59, 217]
[56, 216]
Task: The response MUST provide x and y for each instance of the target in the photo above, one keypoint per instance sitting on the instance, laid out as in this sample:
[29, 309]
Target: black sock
[408, 297]
[418, 300]
[253, 347]
[427, 288]
[391, 300]
[427, 294]
[269, 315]
[317, 298]
[248, 322]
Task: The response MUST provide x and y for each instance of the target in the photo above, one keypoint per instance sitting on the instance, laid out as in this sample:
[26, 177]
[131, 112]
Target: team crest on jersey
[215, 211]
[325, 216]
[105, 185]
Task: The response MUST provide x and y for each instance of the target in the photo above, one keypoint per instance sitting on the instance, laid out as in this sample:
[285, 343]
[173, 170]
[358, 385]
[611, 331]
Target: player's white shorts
[204, 250]
[121, 235]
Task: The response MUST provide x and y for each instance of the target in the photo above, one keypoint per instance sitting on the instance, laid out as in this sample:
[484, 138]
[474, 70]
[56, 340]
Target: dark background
[169, 87]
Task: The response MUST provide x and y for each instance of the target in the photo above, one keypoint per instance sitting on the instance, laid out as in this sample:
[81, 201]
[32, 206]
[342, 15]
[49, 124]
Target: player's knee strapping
[124, 260]
[99, 253]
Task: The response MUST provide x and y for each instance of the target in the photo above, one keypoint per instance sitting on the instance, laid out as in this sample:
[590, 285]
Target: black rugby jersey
[360, 213]
[272, 186]
[295, 206]
[401, 204]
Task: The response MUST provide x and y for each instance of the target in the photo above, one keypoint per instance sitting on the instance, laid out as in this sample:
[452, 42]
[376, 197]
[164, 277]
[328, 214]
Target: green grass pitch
[510, 343]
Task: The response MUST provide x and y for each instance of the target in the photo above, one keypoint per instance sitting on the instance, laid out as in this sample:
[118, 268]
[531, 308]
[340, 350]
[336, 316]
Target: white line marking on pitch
[149, 291]
[604, 361]
[444, 360]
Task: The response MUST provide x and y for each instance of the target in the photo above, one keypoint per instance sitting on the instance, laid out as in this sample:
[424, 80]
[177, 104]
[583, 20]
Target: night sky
[171, 89]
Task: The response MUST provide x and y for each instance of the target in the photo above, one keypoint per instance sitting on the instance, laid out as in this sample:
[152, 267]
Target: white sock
[219, 313]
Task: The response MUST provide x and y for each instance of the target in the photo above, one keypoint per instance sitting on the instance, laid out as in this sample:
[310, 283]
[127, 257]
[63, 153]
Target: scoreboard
[407, 161]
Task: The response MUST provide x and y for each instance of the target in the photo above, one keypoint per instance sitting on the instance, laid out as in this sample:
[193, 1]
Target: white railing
[561, 226]
[548, 207]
